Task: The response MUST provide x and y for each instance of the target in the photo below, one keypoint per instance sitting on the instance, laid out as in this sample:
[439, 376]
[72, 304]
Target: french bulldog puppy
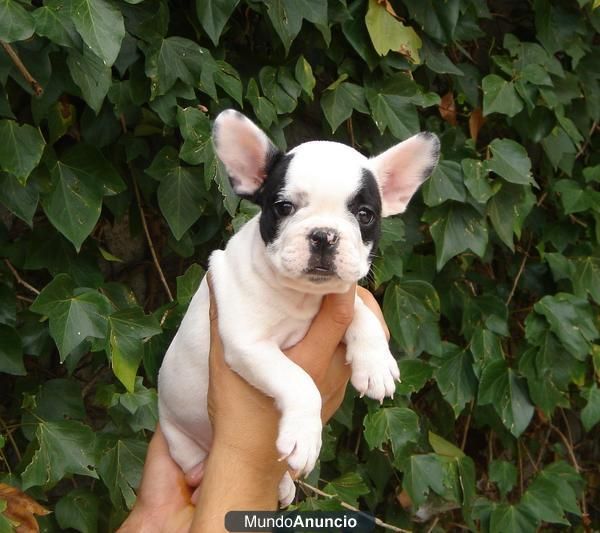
[322, 205]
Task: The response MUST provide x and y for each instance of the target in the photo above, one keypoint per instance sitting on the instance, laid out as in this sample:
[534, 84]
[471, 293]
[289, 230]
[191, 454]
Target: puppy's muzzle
[323, 239]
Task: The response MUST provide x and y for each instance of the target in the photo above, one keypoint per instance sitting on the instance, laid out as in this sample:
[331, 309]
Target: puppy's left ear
[244, 149]
[401, 169]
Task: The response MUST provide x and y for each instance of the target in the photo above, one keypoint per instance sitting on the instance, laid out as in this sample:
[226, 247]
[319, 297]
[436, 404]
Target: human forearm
[235, 481]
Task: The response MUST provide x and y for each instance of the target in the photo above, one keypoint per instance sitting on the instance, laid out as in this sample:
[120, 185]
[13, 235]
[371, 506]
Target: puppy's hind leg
[186, 452]
[287, 490]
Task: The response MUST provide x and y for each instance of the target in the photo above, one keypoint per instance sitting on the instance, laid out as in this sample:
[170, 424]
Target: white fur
[266, 303]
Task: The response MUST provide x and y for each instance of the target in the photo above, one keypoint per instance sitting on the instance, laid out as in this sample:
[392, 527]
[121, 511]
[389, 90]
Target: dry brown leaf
[447, 108]
[476, 120]
[21, 509]
[404, 500]
[388, 7]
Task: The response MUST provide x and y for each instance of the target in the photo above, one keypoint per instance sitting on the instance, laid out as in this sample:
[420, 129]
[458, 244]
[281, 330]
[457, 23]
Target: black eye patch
[367, 199]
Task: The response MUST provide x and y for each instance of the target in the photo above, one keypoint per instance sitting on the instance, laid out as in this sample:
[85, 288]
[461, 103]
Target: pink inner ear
[402, 169]
[243, 149]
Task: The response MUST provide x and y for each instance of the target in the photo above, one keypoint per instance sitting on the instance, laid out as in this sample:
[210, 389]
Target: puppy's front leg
[265, 367]
[374, 369]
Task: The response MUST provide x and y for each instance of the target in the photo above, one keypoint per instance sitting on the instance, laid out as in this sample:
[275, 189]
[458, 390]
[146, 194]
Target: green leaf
[53, 20]
[74, 314]
[388, 33]
[571, 320]
[411, 309]
[101, 27]
[574, 198]
[91, 75]
[456, 228]
[590, 414]
[455, 378]
[393, 112]
[586, 277]
[11, 352]
[16, 23]
[500, 387]
[284, 98]
[213, 15]
[476, 180]
[349, 487]
[121, 470]
[500, 96]
[21, 148]
[128, 328]
[339, 103]
[304, 76]
[414, 374]
[263, 108]
[64, 447]
[79, 509]
[510, 161]
[506, 517]
[188, 283]
[181, 199]
[286, 17]
[442, 447]
[425, 472]
[195, 130]
[396, 425]
[504, 475]
[22, 200]
[445, 183]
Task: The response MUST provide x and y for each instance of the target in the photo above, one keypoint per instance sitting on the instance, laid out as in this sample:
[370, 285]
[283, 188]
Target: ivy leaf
[443, 447]
[121, 470]
[21, 148]
[424, 472]
[500, 387]
[339, 102]
[500, 96]
[91, 75]
[53, 20]
[571, 320]
[349, 487]
[263, 108]
[504, 475]
[22, 200]
[128, 328]
[79, 510]
[506, 517]
[64, 447]
[188, 284]
[393, 112]
[455, 228]
[455, 378]
[445, 183]
[415, 373]
[195, 130]
[287, 15]
[213, 15]
[510, 161]
[101, 27]
[388, 33]
[396, 425]
[586, 278]
[11, 352]
[16, 23]
[412, 311]
[74, 314]
[476, 180]
[590, 414]
[304, 76]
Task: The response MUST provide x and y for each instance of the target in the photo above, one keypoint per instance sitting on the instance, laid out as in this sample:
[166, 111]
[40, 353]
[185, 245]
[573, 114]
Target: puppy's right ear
[244, 149]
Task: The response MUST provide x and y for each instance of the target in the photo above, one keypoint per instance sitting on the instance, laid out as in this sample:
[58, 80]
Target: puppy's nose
[322, 239]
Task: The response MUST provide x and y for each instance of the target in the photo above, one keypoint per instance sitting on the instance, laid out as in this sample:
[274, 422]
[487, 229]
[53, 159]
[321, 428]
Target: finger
[195, 475]
[315, 350]
[370, 301]
[216, 359]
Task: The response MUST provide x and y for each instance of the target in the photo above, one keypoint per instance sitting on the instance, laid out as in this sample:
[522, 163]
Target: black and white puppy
[322, 204]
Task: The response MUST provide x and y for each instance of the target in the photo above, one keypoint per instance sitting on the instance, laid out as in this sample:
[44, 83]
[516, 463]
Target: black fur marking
[368, 196]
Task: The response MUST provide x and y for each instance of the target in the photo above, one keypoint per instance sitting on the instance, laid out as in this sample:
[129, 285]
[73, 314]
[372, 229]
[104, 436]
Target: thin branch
[467, 426]
[587, 142]
[161, 275]
[19, 279]
[10, 51]
[519, 274]
[521, 476]
[11, 439]
[345, 505]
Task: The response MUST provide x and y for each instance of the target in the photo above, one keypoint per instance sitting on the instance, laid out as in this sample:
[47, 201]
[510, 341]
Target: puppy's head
[322, 202]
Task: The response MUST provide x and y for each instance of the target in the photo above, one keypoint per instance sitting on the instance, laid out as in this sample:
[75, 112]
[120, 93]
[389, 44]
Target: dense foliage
[112, 201]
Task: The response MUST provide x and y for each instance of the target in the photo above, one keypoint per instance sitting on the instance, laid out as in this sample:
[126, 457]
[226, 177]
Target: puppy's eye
[365, 216]
[284, 209]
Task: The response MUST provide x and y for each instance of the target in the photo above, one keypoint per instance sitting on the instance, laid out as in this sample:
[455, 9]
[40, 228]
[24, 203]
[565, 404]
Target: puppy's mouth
[320, 274]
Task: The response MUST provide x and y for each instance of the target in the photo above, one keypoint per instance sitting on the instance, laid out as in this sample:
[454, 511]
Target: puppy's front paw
[299, 441]
[374, 370]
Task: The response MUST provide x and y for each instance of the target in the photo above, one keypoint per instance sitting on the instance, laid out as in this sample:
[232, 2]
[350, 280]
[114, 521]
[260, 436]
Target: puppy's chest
[290, 323]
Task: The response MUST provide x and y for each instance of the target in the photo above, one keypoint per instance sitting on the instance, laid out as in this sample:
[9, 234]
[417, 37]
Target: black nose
[322, 239]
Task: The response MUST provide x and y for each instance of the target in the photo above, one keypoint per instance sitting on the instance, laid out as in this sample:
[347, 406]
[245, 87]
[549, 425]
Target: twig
[345, 505]
[520, 458]
[149, 239]
[19, 279]
[467, 425]
[519, 274]
[11, 439]
[10, 51]
[542, 449]
[435, 523]
[351, 132]
[587, 142]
